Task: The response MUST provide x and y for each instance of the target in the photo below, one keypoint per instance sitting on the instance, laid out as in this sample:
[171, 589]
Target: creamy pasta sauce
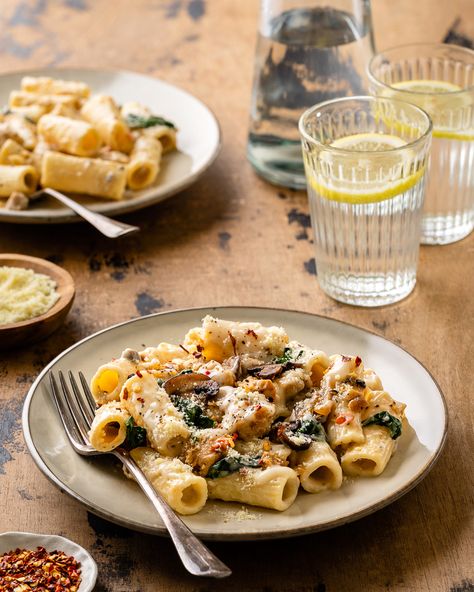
[24, 294]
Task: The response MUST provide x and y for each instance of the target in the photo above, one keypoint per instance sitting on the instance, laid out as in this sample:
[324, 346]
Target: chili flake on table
[23, 570]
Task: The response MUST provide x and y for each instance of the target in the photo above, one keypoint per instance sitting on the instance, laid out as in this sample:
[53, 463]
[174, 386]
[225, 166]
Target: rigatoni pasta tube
[14, 154]
[348, 431]
[19, 98]
[222, 339]
[107, 382]
[185, 492]
[69, 135]
[17, 178]
[144, 162]
[109, 430]
[152, 409]
[370, 458]
[317, 468]
[275, 487]
[134, 108]
[32, 112]
[83, 175]
[164, 134]
[46, 85]
[18, 128]
[102, 112]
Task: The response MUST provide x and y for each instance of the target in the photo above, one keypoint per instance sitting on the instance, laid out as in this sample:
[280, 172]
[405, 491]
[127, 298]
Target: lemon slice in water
[369, 142]
[440, 105]
[359, 178]
[427, 86]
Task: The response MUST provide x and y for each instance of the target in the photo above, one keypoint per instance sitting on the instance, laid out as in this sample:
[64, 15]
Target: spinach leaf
[289, 355]
[193, 414]
[136, 436]
[384, 418]
[231, 464]
[139, 121]
[310, 427]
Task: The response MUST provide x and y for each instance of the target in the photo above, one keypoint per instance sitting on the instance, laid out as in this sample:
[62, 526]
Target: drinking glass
[439, 78]
[308, 51]
[365, 160]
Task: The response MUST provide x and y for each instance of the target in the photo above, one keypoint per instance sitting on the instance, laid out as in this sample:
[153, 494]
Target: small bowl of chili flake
[31, 561]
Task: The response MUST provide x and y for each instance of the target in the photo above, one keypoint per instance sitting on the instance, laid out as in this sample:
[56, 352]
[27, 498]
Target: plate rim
[126, 207]
[233, 536]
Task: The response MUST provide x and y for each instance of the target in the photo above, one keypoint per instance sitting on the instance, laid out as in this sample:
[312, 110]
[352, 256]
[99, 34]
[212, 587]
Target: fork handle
[196, 557]
[107, 226]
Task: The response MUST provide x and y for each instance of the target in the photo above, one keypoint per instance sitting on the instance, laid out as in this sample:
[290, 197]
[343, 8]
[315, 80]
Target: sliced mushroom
[17, 201]
[234, 365]
[269, 371]
[272, 371]
[191, 382]
[286, 433]
[355, 382]
[131, 355]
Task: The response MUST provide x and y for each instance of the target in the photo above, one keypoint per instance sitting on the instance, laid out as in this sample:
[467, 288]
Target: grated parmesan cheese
[24, 294]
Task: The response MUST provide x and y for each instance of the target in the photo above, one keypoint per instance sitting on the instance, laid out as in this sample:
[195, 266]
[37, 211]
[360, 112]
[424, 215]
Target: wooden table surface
[234, 239]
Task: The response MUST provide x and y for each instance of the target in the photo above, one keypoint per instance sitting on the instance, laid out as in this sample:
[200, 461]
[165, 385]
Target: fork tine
[87, 392]
[76, 413]
[68, 422]
[82, 403]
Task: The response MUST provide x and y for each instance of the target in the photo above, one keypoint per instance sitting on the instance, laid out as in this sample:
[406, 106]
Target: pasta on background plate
[239, 412]
[56, 134]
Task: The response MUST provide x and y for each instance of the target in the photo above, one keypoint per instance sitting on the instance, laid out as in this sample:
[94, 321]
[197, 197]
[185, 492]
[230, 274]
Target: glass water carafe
[308, 51]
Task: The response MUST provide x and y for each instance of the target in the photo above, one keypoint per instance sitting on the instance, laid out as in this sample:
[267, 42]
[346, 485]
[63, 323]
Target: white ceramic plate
[198, 140]
[27, 540]
[100, 485]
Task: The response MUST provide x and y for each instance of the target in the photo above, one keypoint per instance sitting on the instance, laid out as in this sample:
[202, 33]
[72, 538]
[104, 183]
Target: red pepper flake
[199, 347]
[358, 361]
[344, 419]
[142, 401]
[125, 394]
[235, 436]
[24, 570]
[233, 341]
[252, 333]
[139, 374]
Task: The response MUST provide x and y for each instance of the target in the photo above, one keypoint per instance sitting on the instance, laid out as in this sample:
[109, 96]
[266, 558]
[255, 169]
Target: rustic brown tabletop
[234, 239]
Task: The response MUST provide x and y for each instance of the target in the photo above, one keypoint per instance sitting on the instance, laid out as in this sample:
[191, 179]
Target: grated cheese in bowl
[24, 294]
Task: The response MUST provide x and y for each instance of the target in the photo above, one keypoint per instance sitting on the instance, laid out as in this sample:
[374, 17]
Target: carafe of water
[308, 51]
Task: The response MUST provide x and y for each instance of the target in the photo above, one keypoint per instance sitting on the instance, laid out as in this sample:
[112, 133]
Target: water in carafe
[307, 55]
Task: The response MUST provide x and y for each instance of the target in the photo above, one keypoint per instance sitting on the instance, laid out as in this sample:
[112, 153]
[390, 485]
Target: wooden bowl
[32, 330]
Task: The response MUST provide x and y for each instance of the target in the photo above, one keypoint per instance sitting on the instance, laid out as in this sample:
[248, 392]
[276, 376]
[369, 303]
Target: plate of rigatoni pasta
[114, 141]
[251, 422]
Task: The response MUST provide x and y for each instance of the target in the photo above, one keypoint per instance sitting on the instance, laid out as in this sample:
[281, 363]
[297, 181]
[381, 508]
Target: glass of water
[365, 160]
[308, 51]
[439, 78]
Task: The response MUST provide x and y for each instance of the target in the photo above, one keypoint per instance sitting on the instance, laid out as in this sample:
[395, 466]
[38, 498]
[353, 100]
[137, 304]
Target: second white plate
[100, 485]
[199, 140]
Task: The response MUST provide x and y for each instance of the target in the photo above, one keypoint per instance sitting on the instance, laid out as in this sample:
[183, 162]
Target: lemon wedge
[438, 103]
[372, 179]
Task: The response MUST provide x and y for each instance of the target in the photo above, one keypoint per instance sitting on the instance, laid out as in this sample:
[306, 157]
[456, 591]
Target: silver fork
[76, 411]
[107, 226]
